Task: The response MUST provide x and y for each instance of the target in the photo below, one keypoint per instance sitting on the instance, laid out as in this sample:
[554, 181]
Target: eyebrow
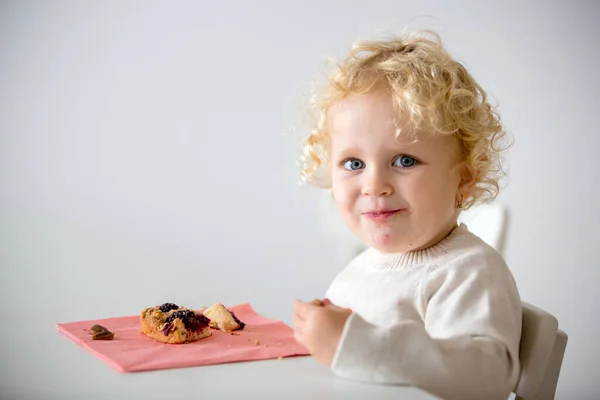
[350, 151]
[412, 147]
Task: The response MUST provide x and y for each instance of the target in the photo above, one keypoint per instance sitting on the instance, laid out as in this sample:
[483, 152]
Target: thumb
[327, 303]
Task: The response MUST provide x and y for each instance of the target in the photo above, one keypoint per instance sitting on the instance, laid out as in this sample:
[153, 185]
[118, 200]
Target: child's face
[396, 194]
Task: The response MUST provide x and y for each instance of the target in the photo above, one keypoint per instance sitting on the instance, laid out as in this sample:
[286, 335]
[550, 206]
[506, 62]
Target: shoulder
[467, 255]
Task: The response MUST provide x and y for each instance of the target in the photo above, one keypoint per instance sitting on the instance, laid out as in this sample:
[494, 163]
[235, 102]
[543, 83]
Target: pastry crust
[223, 319]
[175, 326]
[99, 332]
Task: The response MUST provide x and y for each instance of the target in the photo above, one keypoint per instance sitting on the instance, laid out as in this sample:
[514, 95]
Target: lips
[381, 215]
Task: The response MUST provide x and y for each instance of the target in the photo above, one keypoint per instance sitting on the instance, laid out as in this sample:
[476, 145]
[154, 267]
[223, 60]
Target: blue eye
[404, 162]
[353, 164]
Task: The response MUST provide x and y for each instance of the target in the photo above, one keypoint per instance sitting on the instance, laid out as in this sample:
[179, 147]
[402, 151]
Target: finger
[298, 337]
[327, 303]
[298, 310]
[303, 309]
[317, 302]
[298, 316]
[338, 308]
[298, 320]
[298, 323]
[332, 306]
[298, 328]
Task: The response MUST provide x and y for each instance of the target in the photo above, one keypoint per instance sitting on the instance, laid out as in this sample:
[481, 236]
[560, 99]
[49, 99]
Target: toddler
[406, 139]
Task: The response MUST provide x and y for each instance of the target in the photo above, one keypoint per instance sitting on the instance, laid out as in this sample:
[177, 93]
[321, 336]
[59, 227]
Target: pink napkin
[131, 351]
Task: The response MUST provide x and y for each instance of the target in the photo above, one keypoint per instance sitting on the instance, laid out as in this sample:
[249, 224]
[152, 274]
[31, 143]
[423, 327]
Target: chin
[385, 244]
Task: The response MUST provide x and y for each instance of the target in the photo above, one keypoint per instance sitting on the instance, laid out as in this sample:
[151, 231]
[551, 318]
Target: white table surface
[65, 370]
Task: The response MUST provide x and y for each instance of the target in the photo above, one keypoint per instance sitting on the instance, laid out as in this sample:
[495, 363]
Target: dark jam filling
[193, 322]
[241, 324]
[168, 307]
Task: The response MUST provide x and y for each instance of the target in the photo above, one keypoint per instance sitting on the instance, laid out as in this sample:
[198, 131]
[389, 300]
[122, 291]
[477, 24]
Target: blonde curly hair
[430, 90]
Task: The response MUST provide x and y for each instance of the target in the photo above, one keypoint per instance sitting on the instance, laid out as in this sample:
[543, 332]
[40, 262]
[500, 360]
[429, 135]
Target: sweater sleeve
[466, 347]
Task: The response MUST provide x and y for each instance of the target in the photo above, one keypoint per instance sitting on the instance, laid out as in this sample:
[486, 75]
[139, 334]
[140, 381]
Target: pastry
[169, 323]
[223, 319]
[99, 332]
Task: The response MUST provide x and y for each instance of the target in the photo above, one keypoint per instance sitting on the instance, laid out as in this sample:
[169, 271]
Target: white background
[146, 156]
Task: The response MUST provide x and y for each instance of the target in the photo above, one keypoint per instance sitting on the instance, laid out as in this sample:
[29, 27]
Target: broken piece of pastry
[99, 332]
[223, 319]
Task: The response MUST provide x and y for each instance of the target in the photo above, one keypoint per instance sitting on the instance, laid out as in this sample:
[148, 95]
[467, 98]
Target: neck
[444, 233]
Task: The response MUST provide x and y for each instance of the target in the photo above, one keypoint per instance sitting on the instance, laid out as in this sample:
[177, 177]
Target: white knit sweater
[446, 319]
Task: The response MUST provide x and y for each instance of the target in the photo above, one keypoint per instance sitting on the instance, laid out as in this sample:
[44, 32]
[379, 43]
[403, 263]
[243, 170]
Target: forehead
[362, 112]
[372, 118]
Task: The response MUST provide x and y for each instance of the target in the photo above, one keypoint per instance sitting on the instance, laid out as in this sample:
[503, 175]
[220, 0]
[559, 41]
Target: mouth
[381, 215]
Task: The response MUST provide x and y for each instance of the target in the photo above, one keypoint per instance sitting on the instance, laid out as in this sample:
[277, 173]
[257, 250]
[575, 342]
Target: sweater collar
[389, 261]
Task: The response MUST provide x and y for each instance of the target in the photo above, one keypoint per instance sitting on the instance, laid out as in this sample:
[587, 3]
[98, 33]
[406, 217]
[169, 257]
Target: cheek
[343, 200]
[341, 188]
[431, 195]
[345, 197]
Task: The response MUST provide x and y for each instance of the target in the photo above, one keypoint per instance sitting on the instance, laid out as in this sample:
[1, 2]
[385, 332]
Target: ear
[469, 177]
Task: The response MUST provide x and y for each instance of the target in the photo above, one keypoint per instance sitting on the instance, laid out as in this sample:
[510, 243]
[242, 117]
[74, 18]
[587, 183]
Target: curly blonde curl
[430, 90]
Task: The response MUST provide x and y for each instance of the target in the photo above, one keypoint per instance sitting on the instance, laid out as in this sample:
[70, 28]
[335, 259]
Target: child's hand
[319, 328]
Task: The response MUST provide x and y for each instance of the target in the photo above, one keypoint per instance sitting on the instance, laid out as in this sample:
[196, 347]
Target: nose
[377, 184]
